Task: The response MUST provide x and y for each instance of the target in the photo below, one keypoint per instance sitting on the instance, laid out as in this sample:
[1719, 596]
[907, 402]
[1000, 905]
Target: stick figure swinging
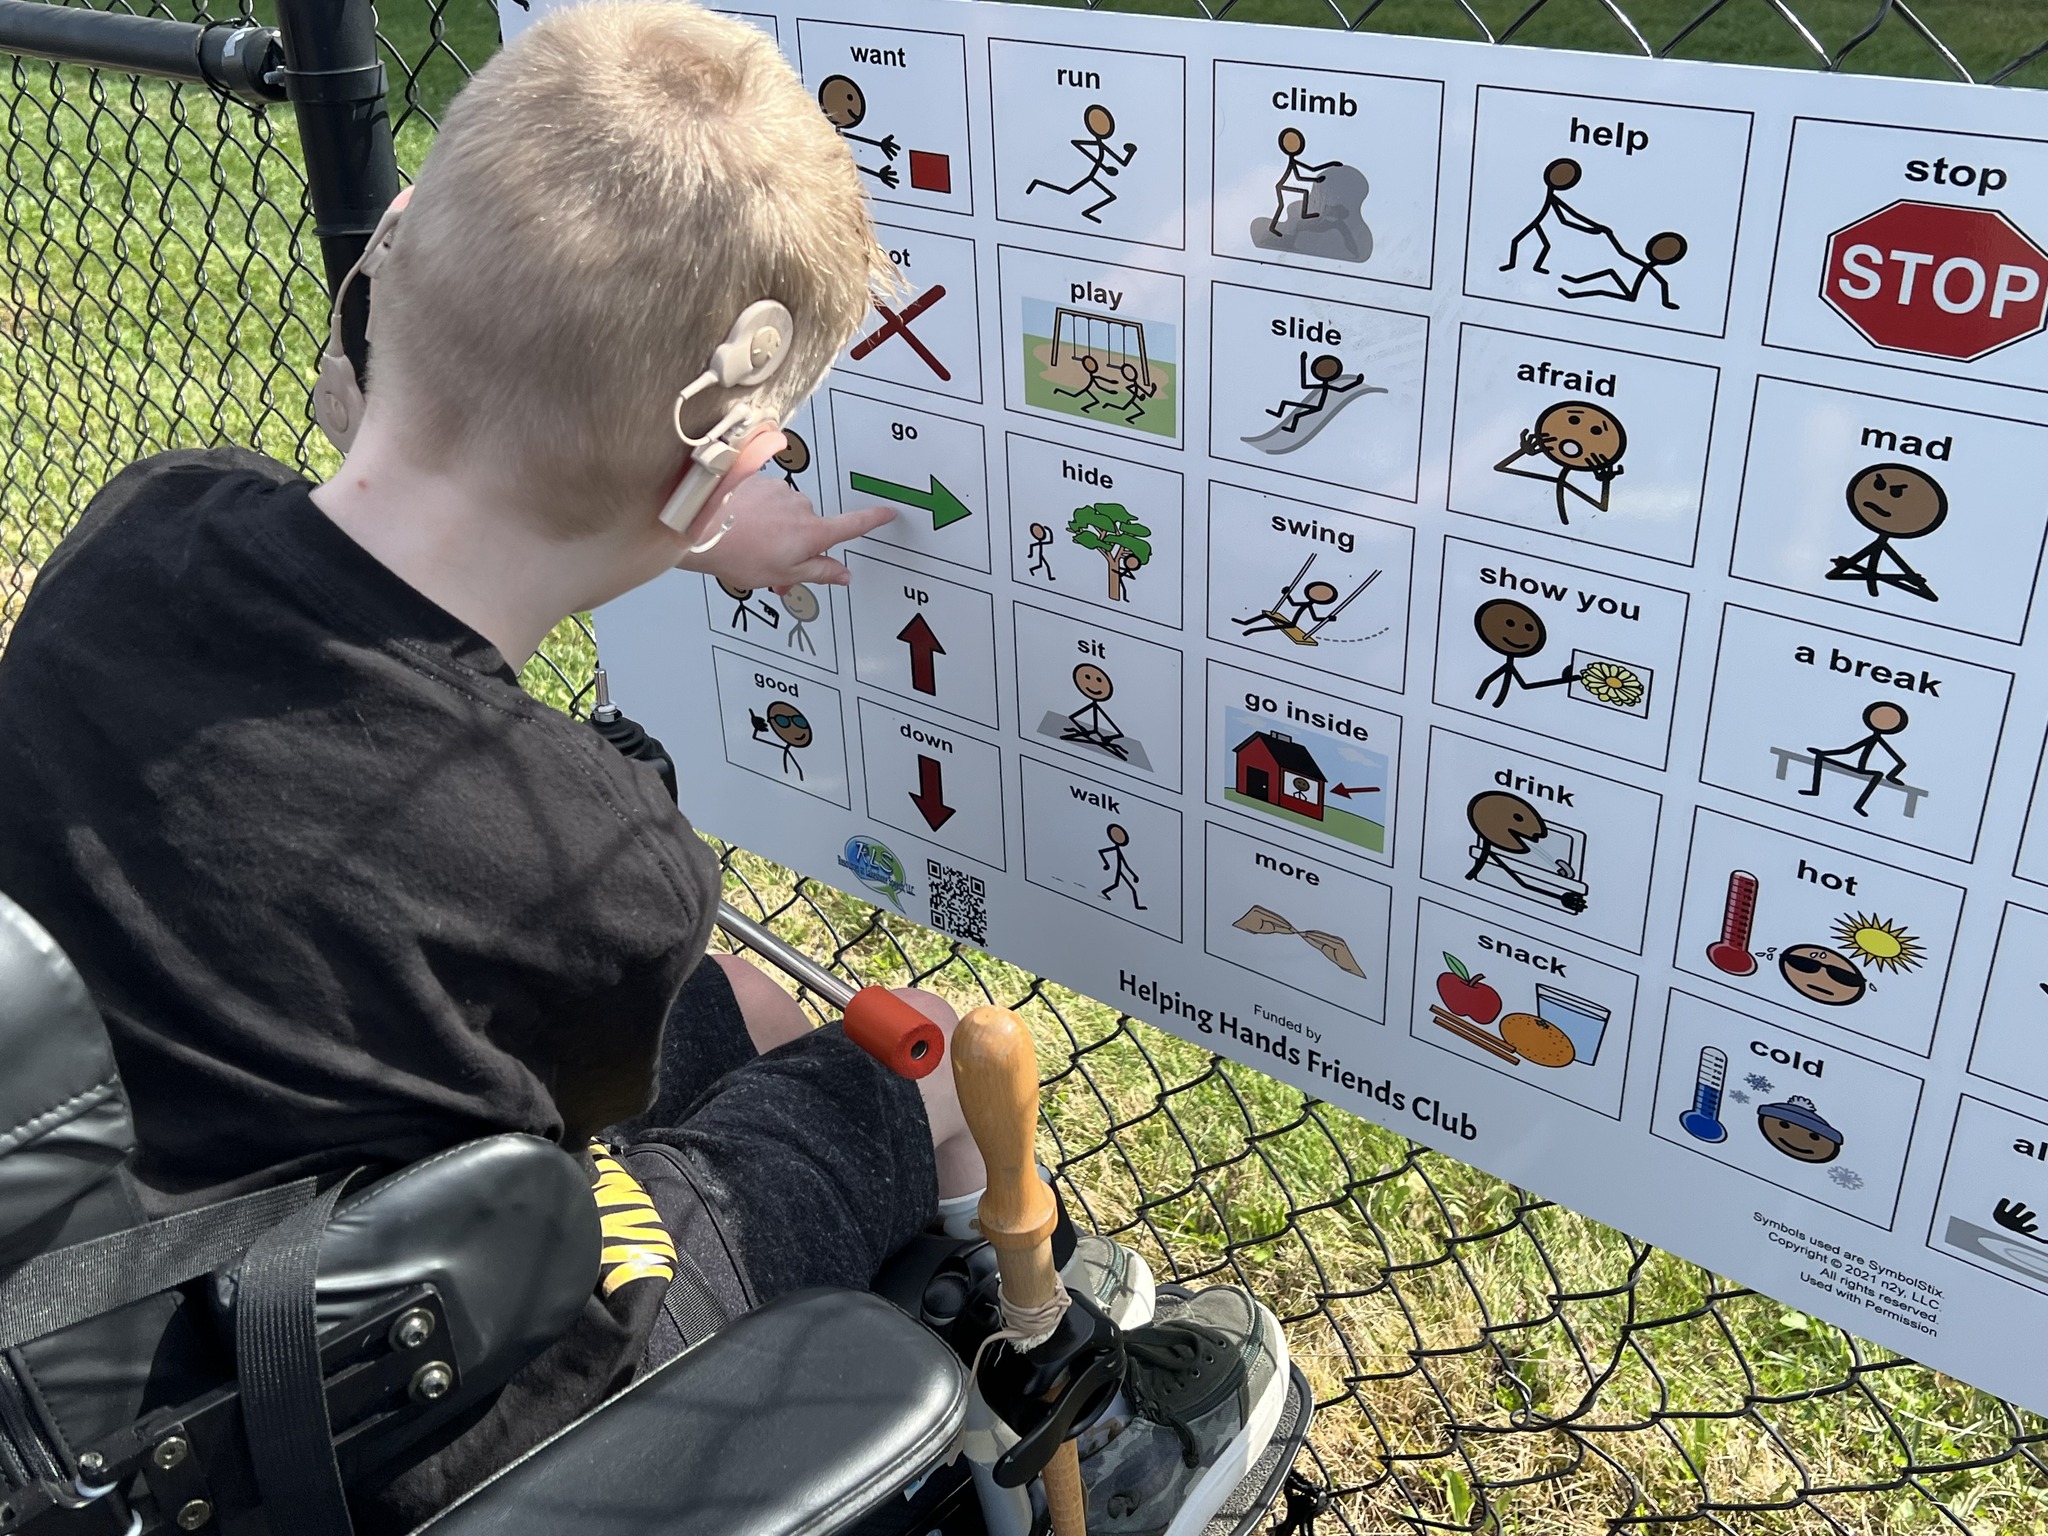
[1894, 501]
[1103, 160]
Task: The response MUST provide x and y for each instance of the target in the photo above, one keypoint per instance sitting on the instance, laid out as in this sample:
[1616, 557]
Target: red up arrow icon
[924, 645]
[930, 798]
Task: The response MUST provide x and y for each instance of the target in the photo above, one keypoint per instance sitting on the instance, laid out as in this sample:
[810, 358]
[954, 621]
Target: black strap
[54, 1291]
[691, 1304]
[277, 1358]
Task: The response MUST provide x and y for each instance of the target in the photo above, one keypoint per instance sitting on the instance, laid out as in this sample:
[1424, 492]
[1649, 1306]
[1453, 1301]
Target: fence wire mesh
[1485, 1360]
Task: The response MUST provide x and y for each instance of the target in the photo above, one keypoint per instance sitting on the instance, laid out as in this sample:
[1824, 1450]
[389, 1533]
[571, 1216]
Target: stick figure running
[1559, 176]
[1299, 178]
[1103, 160]
[1322, 378]
[1513, 630]
[1885, 719]
[845, 106]
[1894, 501]
[1041, 541]
[1125, 876]
[1662, 251]
[1136, 390]
[1095, 390]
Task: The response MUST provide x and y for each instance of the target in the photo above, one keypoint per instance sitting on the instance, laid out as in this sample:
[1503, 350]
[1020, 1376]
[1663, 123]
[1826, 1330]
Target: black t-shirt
[345, 894]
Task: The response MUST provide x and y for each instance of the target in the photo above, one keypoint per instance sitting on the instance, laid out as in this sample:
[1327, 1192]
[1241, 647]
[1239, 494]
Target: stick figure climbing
[1102, 157]
[1113, 859]
[1893, 501]
[1885, 720]
[845, 106]
[1573, 437]
[1298, 178]
[1512, 631]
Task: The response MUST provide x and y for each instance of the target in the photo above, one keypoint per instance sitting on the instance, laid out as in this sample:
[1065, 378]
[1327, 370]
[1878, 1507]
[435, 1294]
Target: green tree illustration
[1124, 543]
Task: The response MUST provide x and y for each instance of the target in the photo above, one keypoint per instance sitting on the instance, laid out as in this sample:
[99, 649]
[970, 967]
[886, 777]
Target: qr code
[959, 902]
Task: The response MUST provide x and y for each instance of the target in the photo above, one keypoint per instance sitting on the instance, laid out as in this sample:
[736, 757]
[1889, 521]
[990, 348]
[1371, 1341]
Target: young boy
[347, 896]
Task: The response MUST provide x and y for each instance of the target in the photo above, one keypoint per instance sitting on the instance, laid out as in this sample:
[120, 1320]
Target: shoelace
[1164, 1360]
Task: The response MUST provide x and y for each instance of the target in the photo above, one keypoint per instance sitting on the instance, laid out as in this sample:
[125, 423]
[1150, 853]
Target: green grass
[158, 288]
[1345, 826]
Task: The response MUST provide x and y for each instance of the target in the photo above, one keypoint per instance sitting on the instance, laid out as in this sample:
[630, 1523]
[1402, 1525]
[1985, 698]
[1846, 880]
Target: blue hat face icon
[1797, 1129]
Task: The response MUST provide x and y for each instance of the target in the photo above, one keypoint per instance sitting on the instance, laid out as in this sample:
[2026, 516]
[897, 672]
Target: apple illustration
[1466, 994]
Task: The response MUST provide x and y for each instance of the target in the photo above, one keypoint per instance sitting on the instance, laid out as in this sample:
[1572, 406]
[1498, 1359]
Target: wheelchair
[236, 1368]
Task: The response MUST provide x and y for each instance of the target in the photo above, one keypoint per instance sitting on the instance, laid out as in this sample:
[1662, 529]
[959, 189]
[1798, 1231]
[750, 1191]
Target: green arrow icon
[945, 508]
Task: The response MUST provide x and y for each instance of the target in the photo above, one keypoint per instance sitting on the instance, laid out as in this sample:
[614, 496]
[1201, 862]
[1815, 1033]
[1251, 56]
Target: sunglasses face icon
[1808, 966]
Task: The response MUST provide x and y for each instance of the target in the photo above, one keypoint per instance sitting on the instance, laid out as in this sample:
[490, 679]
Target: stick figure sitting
[1513, 630]
[1299, 177]
[1322, 378]
[1662, 251]
[1091, 723]
[1103, 160]
[1885, 719]
[845, 106]
[1119, 839]
[1894, 501]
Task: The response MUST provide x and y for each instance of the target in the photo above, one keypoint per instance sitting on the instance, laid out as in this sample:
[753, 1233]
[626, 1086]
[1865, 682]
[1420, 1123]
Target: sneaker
[1208, 1379]
[1113, 1277]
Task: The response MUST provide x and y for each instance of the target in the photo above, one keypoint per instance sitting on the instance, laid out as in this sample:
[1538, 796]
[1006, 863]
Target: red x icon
[899, 325]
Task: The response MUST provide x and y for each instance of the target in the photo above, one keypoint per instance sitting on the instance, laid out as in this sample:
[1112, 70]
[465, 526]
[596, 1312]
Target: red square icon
[930, 171]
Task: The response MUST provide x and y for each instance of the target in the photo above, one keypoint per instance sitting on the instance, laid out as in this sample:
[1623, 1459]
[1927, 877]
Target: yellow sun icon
[1612, 683]
[1885, 944]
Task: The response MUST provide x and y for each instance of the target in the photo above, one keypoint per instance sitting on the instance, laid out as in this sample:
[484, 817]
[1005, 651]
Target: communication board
[1493, 585]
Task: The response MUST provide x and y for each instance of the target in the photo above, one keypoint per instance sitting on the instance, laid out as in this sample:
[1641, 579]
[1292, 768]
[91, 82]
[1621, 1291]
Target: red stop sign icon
[1937, 279]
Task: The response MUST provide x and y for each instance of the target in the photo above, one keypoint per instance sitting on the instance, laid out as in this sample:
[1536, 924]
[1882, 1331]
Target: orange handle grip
[894, 1033]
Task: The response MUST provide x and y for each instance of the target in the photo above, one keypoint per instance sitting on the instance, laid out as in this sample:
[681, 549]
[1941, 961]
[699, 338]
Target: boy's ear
[702, 528]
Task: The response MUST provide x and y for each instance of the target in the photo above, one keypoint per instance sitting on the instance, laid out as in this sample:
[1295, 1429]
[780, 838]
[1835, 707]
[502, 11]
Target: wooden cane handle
[995, 1069]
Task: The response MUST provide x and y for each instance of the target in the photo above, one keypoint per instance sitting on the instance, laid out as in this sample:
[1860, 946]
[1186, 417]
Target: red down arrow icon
[924, 645]
[930, 798]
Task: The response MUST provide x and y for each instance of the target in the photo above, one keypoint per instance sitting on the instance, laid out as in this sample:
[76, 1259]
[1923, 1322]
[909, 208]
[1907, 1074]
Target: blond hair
[605, 197]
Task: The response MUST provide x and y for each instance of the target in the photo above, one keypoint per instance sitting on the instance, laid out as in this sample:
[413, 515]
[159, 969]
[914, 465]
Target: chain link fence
[1485, 1360]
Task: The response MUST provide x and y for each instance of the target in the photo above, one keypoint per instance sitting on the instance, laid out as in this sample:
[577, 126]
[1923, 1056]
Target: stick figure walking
[1512, 630]
[1103, 160]
[1299, 177]
[1885, 720]
[1113, 859]
[1041, 541]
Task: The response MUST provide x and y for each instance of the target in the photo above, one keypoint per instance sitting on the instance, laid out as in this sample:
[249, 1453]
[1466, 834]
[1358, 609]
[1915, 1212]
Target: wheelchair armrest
[795, 1420]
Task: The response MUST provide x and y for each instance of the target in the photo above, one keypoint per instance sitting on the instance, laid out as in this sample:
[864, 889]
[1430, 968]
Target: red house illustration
[1272, 766]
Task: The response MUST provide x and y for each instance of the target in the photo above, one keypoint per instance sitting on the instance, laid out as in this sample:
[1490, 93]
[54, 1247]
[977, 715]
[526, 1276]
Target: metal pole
[336, 85]
[237, 58]
[792, 962]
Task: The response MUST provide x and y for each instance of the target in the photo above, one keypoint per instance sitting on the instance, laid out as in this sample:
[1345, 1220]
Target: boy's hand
[778, 539]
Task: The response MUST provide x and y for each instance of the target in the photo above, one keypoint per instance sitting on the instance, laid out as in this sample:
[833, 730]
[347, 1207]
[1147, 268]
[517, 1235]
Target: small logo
[877, 868]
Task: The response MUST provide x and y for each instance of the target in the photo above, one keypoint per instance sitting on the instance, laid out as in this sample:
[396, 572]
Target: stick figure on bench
[1885, 719]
